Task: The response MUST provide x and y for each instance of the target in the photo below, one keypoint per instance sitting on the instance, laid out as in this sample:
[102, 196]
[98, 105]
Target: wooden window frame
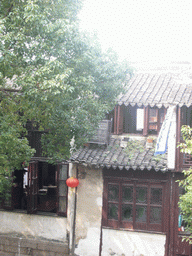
[65, 197]
[133, 225]
[119, 120]
[32, 190]
[147, 120]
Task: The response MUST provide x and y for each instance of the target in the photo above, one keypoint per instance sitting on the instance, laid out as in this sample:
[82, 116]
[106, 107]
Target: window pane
[156, 196]
[113, 193]
[113, 211]
[34, 188]
[140, 119]
[141, 195]
[127, 194]
[127, 212]
[62, 204]
[141, 214]
[33, 171]
[62, 188]
[63, 172]
[153, 115]
[155, 215]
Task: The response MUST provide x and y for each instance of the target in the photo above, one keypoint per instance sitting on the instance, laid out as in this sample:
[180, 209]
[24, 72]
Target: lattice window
[156, 205]
[155, 215]
[113, 201]
[133, 205]
[156, 196]
[113, 211]
[187, 160]
[127, 203]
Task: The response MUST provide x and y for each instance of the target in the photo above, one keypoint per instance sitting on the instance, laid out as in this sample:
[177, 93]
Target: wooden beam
[171, 233]
[115, 120]
[118, 118]
[146, 120]
[178, 135]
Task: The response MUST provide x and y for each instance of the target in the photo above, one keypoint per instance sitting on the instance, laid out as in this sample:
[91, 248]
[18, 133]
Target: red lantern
[72, 182]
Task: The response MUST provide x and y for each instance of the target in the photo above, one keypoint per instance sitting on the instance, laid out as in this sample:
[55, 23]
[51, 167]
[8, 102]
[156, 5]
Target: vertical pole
[172, 217]
[71, 213]
[146, 120]
[74, 218]
[115, 120]
[178, 135]
[118, 119]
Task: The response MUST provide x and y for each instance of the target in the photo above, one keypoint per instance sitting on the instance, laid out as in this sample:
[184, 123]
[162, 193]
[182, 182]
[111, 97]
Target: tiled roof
[115, 156]
[157, 90]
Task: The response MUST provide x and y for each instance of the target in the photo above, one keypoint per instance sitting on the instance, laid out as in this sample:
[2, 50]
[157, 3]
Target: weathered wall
[88, 212]
[20, 246]
[88, 224]
[48, 227]
[71, 209]
[172, 142]
[127, 243]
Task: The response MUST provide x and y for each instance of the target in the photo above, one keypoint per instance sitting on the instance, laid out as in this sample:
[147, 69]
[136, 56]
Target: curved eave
[122, 167]
[159, 105]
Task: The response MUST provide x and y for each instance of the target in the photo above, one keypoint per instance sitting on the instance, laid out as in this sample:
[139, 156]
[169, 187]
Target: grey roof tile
[156, 90]
[116, 157]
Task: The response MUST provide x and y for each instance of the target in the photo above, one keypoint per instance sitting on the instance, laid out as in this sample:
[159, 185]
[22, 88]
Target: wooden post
[115, 120]
[171, 235]
[146, 120]
[178, 135]
[120, 120]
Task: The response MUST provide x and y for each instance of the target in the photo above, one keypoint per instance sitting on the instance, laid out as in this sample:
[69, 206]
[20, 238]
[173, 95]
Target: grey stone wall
[11, 245]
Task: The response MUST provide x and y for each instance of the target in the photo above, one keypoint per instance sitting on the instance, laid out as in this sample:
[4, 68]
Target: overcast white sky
[142, 30]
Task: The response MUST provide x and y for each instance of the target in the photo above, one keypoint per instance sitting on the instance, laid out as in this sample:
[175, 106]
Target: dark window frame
[150, 126]
[154, 122]
[32, 191]
[133, 224]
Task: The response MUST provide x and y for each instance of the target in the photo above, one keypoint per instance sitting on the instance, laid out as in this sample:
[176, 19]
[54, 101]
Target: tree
[185, 202]
[52, 75]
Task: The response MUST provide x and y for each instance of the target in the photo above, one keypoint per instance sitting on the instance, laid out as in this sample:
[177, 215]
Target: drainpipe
[73, 226]
[72, 214]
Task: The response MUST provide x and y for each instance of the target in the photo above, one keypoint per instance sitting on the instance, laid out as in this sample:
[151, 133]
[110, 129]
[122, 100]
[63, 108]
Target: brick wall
[21, 246]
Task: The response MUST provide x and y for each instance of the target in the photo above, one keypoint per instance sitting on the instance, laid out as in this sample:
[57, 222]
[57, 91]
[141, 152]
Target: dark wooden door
[61, 176]
[32, 187]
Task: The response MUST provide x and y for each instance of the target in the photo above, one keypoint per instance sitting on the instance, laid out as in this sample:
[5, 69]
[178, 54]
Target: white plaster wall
[89, 212]
[33, 225]
[71, 207]
[172, 142]
[127, 243]
[71, 195]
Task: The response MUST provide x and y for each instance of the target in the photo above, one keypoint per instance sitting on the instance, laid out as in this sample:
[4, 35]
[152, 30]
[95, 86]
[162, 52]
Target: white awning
[162, 140]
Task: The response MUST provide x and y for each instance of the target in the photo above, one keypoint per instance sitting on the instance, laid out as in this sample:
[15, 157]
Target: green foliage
[186, 147]
[185, 202]
[158, 158]
[52, 75]
[133, 146]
